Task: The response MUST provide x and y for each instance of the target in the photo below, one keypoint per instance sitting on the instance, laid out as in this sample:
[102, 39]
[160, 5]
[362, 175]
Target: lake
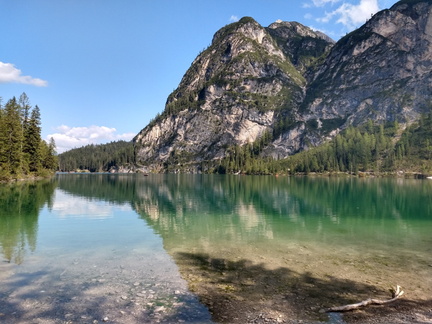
[126, 248]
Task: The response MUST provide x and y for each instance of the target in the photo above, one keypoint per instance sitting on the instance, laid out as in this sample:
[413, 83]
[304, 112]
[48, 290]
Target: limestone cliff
[295, 84]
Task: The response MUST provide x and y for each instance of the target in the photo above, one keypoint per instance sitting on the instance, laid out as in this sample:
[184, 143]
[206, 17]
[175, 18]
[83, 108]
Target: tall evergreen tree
[32, 141]
[24, 104]
[22, 150]
[3, 136]
[49, 157]
[14, 137]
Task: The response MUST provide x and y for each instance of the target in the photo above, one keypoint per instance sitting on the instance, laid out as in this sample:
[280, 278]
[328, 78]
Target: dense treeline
[414, 149]
[246, 158]
[23, 153]
[98, 158]
[368, 148]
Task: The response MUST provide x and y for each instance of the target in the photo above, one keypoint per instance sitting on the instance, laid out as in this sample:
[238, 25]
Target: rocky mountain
[293, 86]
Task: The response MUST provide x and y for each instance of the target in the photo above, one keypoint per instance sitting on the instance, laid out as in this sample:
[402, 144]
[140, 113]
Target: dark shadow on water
[247, 289]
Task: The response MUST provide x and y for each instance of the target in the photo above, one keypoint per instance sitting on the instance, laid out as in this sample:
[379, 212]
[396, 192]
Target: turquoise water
[124, 237]
[83, 257]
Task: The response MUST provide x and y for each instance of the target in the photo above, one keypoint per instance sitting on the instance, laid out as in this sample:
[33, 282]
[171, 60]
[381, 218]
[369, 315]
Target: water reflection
[213, 208]
[303, 232]
[278, 241]
[91, 257]
[19, 210]
[242, 208]
[66, 205]
[209, 209]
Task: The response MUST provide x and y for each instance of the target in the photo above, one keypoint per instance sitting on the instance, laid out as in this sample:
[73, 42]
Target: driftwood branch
[396, 293]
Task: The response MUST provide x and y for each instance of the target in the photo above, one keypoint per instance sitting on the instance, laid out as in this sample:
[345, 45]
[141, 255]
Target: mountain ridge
[293, 85]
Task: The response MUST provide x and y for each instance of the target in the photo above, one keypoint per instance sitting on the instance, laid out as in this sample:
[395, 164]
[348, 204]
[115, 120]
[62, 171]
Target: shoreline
[266, 303]
[238, 287]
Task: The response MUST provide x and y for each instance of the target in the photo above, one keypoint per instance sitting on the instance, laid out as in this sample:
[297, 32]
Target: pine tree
[49, 157]
[13, 138]
[3, 136]
[24, 107]
[21, 149]
[32, 140]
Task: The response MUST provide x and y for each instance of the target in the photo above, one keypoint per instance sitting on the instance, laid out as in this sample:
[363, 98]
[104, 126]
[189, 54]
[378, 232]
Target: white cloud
[67, 137]
[352, 15]
[10, 74]
[322, 3]
[328, 16]
[233, 18]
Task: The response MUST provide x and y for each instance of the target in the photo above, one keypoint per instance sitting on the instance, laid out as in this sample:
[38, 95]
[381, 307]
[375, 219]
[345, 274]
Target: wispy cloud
[351, 15]
[10, 74]
[233, 18]
[322, 3]
[67, 137]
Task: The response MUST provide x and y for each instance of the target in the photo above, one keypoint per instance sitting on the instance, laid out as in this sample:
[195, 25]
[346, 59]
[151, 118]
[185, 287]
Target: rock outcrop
[295, 84]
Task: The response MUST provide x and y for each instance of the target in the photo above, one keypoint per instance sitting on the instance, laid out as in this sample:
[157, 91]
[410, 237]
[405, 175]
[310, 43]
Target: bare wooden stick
[396, 293]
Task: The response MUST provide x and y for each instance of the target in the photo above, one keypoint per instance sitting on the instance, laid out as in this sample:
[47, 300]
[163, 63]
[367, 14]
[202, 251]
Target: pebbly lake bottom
[92, 262]
[250, 285]
[197, 249]
[105, 289]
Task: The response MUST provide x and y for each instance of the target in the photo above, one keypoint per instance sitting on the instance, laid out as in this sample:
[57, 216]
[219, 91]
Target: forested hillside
[23, 153]
[368, 148]
[372, 148]
[287, 99]
[98, 158]
[261, 93]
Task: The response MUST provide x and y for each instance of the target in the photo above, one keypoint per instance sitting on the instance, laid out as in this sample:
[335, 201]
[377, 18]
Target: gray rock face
[296, 84]
[381, 71]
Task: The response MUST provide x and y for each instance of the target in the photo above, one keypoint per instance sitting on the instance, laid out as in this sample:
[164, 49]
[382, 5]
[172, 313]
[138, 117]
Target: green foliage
[13, 140]
[32, 141]
[190, 102]
[246, 158]
[20, 140]
[20, 204]
[365, 148]
[97, 158]
[283, 124]
[368, 148]
[48, 155]
[230, 28]
[414, 149]
[177, 159]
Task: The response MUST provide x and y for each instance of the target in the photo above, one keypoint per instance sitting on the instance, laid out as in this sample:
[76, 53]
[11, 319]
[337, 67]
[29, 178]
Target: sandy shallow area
[248, 285]
[237, 286]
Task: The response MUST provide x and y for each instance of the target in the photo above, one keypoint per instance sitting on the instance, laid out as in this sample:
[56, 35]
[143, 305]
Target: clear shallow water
[83, 258]
[95, 246]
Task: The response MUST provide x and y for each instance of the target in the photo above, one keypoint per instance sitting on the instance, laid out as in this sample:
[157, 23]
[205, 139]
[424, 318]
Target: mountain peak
[297, 29]
[236, 27]
[288, 87]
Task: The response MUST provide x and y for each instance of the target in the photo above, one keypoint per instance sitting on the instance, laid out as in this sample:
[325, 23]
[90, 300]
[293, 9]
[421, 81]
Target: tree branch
[396, 293]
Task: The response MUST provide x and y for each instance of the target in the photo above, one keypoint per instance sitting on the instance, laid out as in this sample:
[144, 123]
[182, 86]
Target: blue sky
[100, 70]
